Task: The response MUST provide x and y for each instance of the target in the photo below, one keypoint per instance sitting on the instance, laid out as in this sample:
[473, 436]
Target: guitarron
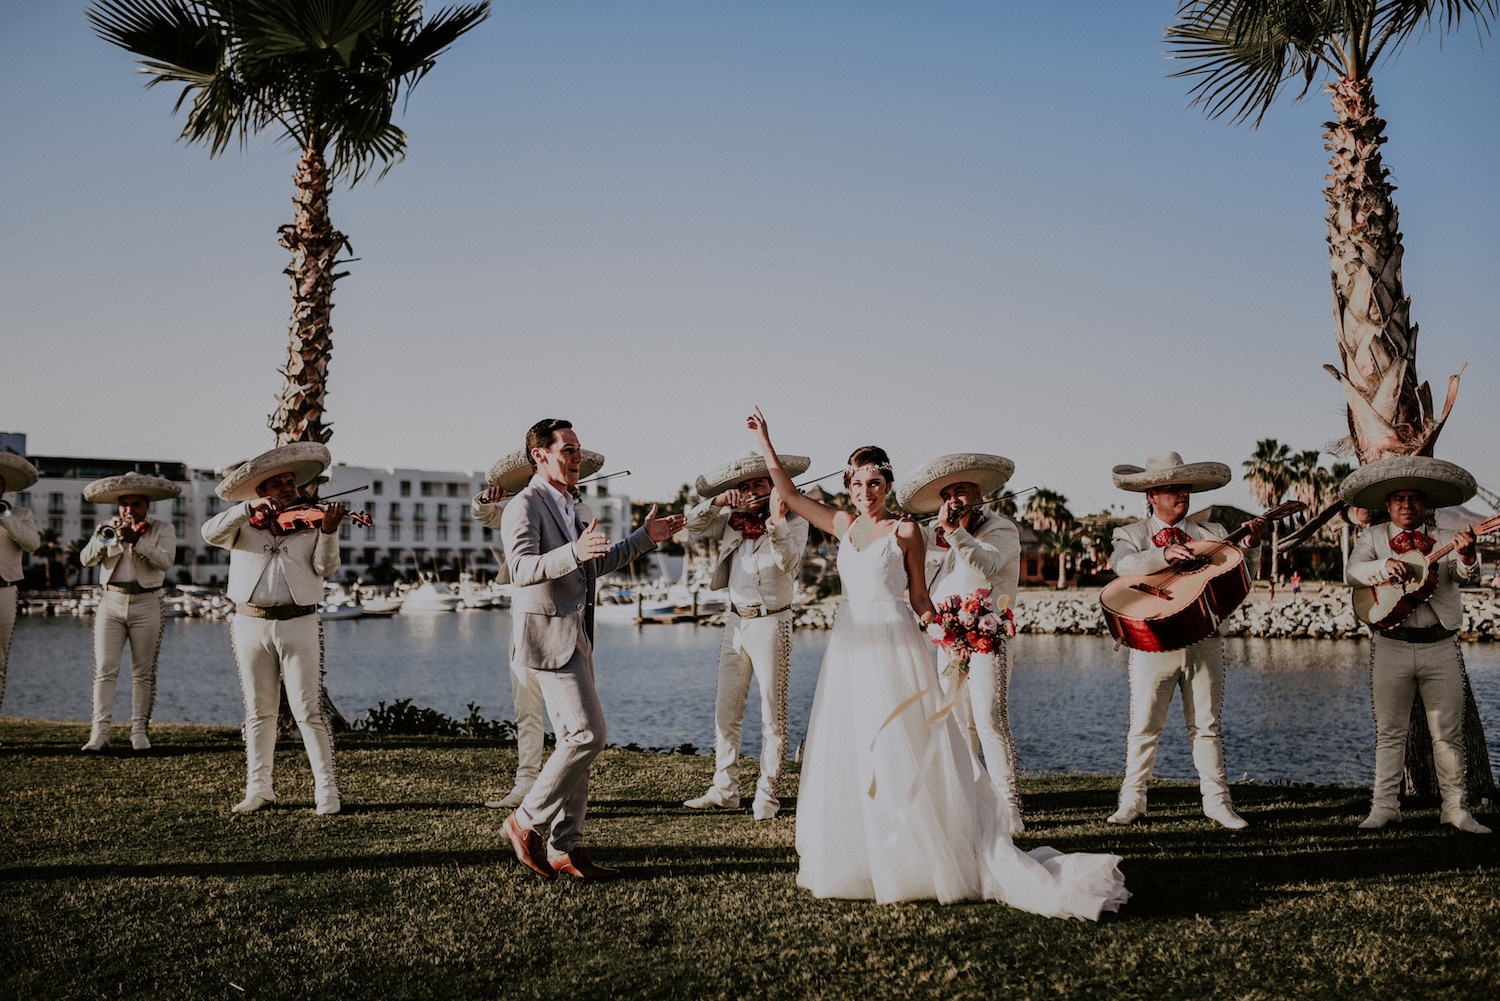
[1387, 604]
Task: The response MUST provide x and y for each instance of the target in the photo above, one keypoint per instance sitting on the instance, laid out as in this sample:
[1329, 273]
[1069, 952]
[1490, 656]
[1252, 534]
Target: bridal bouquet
[965, 626]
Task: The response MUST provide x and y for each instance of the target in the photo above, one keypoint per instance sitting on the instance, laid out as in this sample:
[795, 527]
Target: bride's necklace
[862, 532]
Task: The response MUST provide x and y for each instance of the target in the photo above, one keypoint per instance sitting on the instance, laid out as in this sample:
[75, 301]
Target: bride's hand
[757, 422]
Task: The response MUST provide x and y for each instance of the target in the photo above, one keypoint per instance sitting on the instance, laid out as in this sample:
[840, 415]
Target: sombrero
[750, 465]
[1166, 468]
[307, 459]
[512, 472]
[1444, 483]
[19, 474]
[111, 488]
[918, 493]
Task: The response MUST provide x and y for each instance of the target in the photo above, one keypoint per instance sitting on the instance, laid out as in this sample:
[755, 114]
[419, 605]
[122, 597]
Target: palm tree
[327, 76]
[1063, 542]
[1242, 53]
[1047, 510]
[74, 563]
[49, 552]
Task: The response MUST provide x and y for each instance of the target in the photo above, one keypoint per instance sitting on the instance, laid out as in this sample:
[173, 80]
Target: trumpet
[109, 532]
[4, 510]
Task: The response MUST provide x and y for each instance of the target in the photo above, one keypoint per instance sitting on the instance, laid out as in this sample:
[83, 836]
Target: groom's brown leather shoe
[529, 847]
[577, 863]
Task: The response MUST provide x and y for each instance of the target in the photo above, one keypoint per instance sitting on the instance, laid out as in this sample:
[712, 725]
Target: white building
[420, 517]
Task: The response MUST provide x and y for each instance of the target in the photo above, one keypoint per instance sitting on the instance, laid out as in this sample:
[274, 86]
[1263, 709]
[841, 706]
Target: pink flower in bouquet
[990, 623]
[981, 593]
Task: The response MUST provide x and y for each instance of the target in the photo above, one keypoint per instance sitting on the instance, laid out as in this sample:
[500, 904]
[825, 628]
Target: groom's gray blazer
[552, 597]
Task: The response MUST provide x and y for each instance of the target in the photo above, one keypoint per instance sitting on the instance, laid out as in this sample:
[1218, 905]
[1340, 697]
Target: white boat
[340, 610]
[431, 596]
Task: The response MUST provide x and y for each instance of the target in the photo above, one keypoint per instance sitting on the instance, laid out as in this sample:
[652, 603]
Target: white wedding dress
[934, 827]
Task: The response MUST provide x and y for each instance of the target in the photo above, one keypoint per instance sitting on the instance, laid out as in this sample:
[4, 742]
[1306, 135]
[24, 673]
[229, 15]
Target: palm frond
[1243, 53]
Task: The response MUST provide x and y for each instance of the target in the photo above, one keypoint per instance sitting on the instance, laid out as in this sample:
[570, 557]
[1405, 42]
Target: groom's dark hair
[542, 434]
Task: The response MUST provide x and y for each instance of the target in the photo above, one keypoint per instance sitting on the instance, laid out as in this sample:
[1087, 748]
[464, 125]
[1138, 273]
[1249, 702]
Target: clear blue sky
[935, 226]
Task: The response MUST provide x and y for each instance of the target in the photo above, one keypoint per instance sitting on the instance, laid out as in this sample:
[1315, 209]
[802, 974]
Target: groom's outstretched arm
[520, 528]
[633, 546]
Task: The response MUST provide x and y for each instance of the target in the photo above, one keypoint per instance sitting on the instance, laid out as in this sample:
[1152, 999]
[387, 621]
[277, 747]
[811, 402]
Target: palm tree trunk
[1389, 412]
[315, 246]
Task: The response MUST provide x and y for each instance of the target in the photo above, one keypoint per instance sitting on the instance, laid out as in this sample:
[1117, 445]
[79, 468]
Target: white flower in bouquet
[937, 632]
[968, 618]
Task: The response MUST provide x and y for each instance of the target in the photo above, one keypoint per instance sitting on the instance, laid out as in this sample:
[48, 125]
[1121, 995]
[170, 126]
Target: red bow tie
[1171, 537]
[1405, 542]
[751, 526]
[940, 538]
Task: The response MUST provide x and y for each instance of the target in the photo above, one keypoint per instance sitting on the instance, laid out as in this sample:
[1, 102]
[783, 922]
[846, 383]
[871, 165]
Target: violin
[302, 516]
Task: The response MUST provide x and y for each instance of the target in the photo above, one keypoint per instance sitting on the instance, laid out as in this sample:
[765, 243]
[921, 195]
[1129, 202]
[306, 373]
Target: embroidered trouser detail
[758, 648]
[7, 629]
[1199, 672]
[986, 702]
[126, 618]
[1398, 671]
[270, 652]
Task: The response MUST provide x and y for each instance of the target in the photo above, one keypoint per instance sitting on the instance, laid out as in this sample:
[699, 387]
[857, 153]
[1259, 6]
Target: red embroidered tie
[1171, 537]
[1405, 542]
[751, 526]
[939, 536]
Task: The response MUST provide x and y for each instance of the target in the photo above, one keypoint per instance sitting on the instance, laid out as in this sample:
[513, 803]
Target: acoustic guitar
[1387, 604]
[1186, 601]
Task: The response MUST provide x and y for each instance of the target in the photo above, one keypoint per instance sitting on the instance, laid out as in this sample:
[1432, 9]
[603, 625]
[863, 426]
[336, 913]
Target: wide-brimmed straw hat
[749, 466]
[306, 459]
[513, 471]
[19, 474]
[1444, 483]
[1166, 468]
[111, 488]
[919, 492]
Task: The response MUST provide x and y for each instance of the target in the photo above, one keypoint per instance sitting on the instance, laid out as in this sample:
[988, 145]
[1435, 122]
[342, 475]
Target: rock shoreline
[1327, 615]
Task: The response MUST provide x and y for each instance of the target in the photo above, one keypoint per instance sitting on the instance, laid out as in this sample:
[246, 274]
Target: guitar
[1387, 604]
[1186, 601]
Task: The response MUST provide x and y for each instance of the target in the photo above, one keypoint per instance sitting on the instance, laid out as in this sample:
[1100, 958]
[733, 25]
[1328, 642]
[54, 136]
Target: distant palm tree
[74, 562]
[1242, 53]
[326, 75]
[1268, 473]
[50, 552]
[1047, 510]
[1062, 543]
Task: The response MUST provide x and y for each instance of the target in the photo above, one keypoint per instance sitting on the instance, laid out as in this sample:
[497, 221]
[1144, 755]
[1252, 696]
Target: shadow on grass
[124, 751]
[260, 867]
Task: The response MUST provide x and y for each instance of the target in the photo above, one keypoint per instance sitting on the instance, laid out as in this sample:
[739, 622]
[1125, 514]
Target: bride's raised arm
[828, 519]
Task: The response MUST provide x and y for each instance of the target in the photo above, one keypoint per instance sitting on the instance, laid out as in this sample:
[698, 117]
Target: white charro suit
[18, 535]
[1198, 670]
[525, 690]
[552, 635]
[276, 582]
[990, 556]
[760, 574]
[130, 609]
[1420, 655]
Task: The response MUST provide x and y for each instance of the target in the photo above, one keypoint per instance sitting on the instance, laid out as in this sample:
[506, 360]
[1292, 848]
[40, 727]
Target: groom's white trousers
[7, 627]
[289, 651]
[1199, 672]
[120, 618]
[560, 797]
[760, 648]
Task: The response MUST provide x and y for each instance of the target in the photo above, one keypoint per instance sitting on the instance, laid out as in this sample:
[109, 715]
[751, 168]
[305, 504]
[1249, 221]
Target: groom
[554, 561]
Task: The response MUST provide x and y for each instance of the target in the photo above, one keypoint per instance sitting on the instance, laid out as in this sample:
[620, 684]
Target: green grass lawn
[125, 875]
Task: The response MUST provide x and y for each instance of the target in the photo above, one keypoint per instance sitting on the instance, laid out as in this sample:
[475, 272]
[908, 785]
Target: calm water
[1294, 709]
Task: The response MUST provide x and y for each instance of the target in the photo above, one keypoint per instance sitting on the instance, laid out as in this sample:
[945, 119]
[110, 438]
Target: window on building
[87, 526]
[211, 505]
[370, 556]
[346, 555]
[396, 556]
[463, 513]
[179, 507]
[55, 524]
[55, 504]
[442, 533]
[183, 557]
[345, 531]
[24, 498]
[601, 488]
[419, 511]
[395, 533]
[442, 512]
[369, 533]
[464, 532]
[395, 511]
[378, 487]
[426, 488]
[370, 510]
[418, 533]
[488, 535]
[419, 556]
[406, 488]
[453, 490]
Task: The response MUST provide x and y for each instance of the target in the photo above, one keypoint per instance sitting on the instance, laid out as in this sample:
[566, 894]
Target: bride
[891, 808]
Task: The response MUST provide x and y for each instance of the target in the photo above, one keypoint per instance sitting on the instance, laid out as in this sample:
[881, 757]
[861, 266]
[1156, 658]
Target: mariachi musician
[276, 574]
[1148, 546]
[1421, 654]
[136, 551]
[971, 547]
[509, 475]
[759, 560]
[18, 535]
